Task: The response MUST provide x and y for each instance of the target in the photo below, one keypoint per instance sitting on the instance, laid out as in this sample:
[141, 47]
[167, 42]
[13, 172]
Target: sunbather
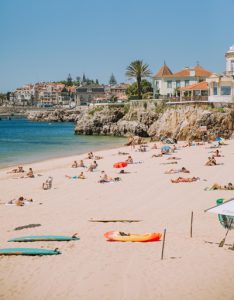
[157, 155]
[21, 201]
[217, 153]
[123, 153]
[154, 146]
[47, 184]
[93, 166]
[217, 186]
[81, 176]
[211, 161]
[174, 171]
[173, 157]
[30, 173]
[90, 155]
[129, 160]
[75, 164]
[104, 178]
[19, 169]
[98, 157]
[81, 164]
[182, 179]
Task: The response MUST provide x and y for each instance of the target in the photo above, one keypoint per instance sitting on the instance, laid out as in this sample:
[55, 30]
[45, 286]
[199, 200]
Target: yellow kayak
[128, 237]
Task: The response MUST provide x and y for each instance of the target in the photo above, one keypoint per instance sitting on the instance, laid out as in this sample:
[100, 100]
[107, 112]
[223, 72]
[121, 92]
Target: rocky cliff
[150, 120]
[58, 115]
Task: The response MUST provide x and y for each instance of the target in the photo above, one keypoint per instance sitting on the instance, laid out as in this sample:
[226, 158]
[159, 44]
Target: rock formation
[58, 115]
[148, 120]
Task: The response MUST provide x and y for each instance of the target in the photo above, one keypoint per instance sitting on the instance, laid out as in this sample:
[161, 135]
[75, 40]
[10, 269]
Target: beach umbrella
[219, 139]
[166, 148]
[120, 165]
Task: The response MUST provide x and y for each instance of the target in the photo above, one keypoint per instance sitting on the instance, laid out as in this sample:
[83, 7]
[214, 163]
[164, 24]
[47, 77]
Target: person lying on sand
[81, 176]
[19, 169]
[104, 178]
[157, 155]
[98, 157]
[182, 179]
[211, 161]
[173, 157]
[174, 171]
[217, 186]
[75, 164]
[123, 153]
[170, 163]
[129, 160]
[92, 167]
[21, 201]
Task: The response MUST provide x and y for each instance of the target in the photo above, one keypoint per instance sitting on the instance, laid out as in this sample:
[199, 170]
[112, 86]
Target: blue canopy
[218, 139]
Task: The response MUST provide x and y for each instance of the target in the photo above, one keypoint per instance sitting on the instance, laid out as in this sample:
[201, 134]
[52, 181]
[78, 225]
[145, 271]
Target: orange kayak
[128, 237]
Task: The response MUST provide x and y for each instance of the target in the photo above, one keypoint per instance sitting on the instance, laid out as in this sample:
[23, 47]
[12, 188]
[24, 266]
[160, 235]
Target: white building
[221, 86]
[167, 84]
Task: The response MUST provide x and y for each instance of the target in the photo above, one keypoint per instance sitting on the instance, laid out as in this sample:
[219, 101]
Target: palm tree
[138, 70]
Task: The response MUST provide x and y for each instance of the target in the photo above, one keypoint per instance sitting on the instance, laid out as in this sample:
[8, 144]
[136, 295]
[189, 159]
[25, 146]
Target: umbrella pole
[221, 244]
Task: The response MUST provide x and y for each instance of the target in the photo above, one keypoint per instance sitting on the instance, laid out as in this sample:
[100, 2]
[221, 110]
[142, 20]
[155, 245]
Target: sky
[45, 40]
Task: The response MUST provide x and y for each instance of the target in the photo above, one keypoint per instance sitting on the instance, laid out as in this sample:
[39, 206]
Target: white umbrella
[227, 208]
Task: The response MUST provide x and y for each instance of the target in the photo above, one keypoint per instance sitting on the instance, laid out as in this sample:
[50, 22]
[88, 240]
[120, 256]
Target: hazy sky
[44, 40]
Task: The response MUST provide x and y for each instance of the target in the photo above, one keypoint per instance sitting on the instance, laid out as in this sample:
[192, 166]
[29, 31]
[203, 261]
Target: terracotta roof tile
[163, 71]
[203, 85]
[198, 72]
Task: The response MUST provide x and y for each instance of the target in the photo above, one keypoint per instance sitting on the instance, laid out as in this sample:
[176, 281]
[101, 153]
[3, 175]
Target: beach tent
[219, 139]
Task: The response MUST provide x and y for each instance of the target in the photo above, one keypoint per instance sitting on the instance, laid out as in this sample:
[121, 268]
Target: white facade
[166, 83]
[221, 86]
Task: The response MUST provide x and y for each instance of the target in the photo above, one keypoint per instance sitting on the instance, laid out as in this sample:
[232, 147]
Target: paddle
[223, 240]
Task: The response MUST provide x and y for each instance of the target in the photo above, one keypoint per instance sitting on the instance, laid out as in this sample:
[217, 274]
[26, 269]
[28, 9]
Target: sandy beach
[93, 268]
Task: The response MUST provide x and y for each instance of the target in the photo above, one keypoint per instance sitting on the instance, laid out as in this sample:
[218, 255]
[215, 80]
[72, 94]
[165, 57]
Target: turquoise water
[23, 141]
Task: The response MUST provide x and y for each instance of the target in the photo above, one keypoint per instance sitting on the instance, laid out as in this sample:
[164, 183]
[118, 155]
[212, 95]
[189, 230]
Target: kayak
[37, 238]
[123, 237]
[28, 251]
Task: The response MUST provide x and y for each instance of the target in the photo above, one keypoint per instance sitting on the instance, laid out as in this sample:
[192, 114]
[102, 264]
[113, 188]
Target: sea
[23, 141]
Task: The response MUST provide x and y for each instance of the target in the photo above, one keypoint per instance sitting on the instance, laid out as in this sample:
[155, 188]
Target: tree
[138, 70]
[69, 80]
[112, 79]
[132, 90]
[97, 82]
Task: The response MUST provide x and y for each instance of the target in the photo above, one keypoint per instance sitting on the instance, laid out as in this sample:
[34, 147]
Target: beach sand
[92, 268]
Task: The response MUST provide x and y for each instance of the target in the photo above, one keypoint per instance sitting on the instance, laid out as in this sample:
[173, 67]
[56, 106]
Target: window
[215, 91]
[225, 90]
[177, 83]
[232, 65]
[169, 84]
[157, 84]
[186, 82]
